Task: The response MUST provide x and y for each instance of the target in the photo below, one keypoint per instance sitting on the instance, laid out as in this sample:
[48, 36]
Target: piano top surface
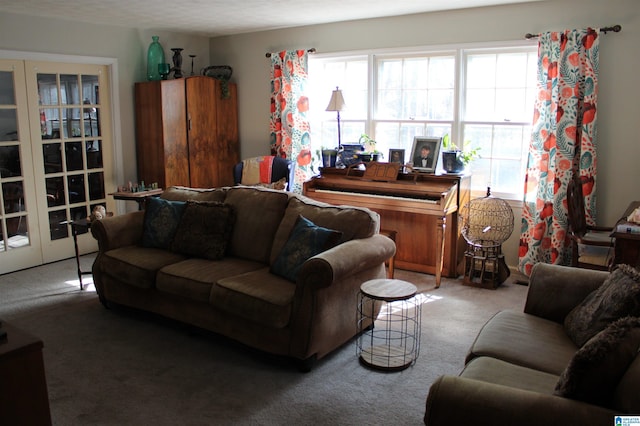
[411, 184]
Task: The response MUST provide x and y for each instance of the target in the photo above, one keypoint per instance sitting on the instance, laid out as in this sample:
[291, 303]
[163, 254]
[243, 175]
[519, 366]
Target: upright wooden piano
[422, 208]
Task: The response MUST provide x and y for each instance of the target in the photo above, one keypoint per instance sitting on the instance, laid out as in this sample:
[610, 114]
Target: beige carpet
[111, 367]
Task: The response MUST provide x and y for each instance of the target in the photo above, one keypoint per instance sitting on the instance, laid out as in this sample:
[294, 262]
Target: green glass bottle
[155, 56]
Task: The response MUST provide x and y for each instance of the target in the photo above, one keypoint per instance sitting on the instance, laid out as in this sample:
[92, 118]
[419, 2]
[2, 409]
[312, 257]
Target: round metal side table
[388, 324]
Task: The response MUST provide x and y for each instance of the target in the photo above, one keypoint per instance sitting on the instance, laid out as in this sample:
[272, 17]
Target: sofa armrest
[346, 259]
[460, 401]
[118, 231]
[555, 290]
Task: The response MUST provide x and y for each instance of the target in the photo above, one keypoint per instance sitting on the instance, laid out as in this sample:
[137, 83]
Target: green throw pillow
[204, 230]
[617, 297]
[596, 368]
[161, 219]
[305, 241]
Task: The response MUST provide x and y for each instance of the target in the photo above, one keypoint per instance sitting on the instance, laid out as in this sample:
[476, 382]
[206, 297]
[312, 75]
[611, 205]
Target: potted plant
[454, 159]
[370, 153]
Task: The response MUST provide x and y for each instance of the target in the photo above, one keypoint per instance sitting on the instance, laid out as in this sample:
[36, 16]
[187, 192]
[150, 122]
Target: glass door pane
[74, 171]
[19, 246]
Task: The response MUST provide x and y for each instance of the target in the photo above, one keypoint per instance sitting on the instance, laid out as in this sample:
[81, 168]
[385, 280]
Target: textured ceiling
[223, 17]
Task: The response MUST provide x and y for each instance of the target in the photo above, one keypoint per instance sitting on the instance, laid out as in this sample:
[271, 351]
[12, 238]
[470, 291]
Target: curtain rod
[312, 50]
[615, 29]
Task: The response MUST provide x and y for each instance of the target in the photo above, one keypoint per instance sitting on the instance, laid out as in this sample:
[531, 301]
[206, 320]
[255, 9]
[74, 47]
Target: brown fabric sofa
[238, 296]
[514, 366]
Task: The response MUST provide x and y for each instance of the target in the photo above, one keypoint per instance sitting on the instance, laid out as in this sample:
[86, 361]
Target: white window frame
[460, 52]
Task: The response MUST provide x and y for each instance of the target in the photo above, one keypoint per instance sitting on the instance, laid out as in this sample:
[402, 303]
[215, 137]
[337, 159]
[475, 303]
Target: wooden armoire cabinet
[186, 132]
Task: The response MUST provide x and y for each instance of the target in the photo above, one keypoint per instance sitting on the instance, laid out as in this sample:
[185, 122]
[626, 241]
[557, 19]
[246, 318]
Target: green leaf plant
[466, 154]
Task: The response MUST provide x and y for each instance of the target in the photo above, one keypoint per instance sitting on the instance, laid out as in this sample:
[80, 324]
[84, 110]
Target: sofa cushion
[182, 193]
[137, 266]
[259, 296]
[597, 367]
[204, 230]
[161, 219]
[491, 370]
[193, 278]
[619, 296]
[353, 222]
[305, 241]
[541, 344]
[626, 397]
[258, 215]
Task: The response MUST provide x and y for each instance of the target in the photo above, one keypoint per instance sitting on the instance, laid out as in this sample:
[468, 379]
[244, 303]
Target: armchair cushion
[618, 296]
[161, 220]
[204, 230]
[595, 370]
[305, 241]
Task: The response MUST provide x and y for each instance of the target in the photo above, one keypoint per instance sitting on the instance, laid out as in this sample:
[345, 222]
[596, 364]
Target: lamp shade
[336, 103]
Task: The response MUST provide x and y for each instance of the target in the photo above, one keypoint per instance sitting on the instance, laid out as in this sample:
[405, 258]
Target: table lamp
[336, 103]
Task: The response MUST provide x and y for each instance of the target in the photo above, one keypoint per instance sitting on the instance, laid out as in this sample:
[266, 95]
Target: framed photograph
[396, 156]
[425, 152]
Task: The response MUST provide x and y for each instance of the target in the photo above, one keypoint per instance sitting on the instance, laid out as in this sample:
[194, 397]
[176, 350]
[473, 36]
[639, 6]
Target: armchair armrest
[460, 401]
[118, 231]
[346, 259]
[555, 290]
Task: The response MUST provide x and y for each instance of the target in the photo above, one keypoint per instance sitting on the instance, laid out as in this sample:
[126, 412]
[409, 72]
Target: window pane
[69, 89]
[440, 105]
[71, 123]
[442, 72]
[76, 189]
[416, 73]
[479, 104]
[73, 154]
[94, 154]
[13, 197]
[389, 104]
[55, 191]
[48, 89]
[511, 70]
[52, 157]
[57, 229]
[10, 161]
[8, 125]
[511, 105]
[481, 71]
[96, 186]
[7, 91]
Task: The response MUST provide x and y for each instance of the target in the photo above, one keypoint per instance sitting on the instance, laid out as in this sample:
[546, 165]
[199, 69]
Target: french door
[55, 158]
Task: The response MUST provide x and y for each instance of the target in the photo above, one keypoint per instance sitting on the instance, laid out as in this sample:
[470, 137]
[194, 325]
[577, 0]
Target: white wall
[19, 33]
[619, 105]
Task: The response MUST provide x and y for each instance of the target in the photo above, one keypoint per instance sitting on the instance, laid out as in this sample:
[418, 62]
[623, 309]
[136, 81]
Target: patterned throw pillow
[617, 297]
[596, 368]
[161, 219]
[204, 230]
[305, 241]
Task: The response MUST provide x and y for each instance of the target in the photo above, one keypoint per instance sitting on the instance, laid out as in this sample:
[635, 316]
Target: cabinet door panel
[202, 97]
[227, 144]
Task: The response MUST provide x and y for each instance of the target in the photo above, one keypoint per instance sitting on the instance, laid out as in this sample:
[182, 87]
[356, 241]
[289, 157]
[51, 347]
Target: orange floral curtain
[290, 136]
[563, 142]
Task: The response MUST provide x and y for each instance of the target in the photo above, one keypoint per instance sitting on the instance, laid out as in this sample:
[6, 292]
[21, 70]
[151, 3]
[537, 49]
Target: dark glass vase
[177, 62]
[452, 163]
[155, 56]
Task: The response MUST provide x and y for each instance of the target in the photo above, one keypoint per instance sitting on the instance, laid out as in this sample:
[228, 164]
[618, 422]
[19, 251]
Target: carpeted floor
[112, 367]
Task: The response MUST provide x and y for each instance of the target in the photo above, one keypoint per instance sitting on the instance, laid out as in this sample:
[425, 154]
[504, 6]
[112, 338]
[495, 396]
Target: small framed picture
[396, 156]
[425, 152]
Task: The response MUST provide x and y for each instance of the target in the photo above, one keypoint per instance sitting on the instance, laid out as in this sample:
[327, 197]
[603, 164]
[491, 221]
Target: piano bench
[390, 234]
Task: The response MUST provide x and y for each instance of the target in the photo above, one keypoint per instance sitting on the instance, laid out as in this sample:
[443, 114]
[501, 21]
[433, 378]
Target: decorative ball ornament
[486, 221]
